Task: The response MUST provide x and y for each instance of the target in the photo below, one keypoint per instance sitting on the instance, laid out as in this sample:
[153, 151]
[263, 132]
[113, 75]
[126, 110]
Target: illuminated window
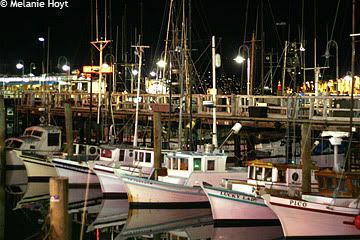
[184, 164]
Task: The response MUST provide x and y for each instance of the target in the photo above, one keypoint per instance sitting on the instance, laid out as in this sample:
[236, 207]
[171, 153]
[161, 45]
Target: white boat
[179, 185]
[122, 160]
[36, 149]
[240, 201]
[32, 150]
[326, 213]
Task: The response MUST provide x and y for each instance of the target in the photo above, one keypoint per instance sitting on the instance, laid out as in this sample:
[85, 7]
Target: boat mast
[348, 157]
[139, 51]
[214, 133]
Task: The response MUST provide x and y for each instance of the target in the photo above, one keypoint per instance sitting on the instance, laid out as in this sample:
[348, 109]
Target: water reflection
[99, 218]
[187, 223]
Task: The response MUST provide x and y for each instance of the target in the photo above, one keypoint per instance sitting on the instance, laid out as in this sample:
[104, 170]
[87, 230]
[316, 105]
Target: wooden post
[59, 227]
[157, 139]
[69, 129]
[306, 157]
[2, 168]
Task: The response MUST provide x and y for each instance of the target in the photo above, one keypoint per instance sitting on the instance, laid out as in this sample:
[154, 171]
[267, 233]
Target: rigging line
[159, 36]
[246, 19]
[336, 14]
[302, 22]
[274, 22]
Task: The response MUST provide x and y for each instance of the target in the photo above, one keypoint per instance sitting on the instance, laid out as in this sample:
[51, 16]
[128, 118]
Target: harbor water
[93, 217]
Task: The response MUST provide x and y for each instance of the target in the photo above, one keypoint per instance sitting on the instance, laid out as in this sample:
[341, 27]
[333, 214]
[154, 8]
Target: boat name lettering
[238, 196]
[298, 203]
[141, 181]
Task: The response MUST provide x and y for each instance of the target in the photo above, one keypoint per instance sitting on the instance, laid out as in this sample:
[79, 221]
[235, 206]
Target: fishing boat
[327, 213]
[37, 148]
[179, 185]
[240, 200]
[333, 211]
[119, 160]
[33, 148]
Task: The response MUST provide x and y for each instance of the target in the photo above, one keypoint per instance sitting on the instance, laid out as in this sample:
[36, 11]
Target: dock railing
[327, 107]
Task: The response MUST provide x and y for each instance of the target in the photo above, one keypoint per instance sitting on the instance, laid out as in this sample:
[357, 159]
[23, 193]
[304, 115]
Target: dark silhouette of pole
[2, 168]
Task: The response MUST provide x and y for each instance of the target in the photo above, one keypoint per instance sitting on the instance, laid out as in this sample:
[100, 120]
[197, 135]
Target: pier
[323, 112]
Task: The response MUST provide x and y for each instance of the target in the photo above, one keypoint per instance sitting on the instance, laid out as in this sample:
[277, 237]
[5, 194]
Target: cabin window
[356, 183]
[197, 164]
[14, 144]
[136, 156]
[37, 133]
[251, 172]
[121, 155]
[141, 156]
[148, 157]
[321, 183]
[211, 165]
[131, 153]
[268, 174]
[184, 164]
[175, 163]
[32, 147]
[341, 185]
[27, 132]
[258, 173]
[53, 139]
[329, 183]
[282, 176]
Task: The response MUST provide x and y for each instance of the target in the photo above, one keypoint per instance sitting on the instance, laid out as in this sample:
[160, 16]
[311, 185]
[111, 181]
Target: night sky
[71, 28]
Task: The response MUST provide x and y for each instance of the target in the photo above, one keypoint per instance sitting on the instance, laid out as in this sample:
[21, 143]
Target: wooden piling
[157, 139]
[306, 157]
[59, 226]
[69, 129]
[2, 168]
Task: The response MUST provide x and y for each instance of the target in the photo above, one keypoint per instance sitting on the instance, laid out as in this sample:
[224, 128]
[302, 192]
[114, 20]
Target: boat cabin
[338, 184]
[183, 164]
[37, 138]
[123, 154]
[261, 173]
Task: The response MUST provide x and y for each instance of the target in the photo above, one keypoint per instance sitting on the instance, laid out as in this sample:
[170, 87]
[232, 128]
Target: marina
[180, 120]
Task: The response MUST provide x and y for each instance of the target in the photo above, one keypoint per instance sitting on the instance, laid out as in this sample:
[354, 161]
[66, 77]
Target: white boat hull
[77, 172]
[306, 219]
[38, 169]
[147, 192]
[110, 184]
[228, 205]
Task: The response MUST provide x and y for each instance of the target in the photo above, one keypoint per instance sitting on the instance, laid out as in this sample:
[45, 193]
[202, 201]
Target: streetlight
[111, 63]
[32, 67]
[327, 55]
[64, 64]
[21, 65]
[42, 40]
[240, 59]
